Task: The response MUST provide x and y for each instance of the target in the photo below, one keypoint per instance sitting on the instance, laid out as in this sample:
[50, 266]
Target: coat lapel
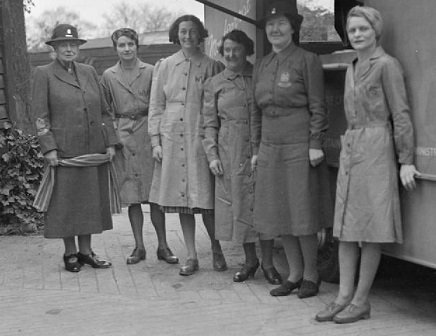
[63, 74]
[82, 76]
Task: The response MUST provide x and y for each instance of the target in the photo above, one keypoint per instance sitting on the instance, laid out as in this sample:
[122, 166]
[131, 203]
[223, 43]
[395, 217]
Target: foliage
[39, 29]
[28, 4]
[21, 169]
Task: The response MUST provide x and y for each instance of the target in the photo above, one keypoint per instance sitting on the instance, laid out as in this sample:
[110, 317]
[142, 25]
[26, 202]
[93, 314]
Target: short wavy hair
[371, 15]
[174, 29]
[127, 32]
[240, 37]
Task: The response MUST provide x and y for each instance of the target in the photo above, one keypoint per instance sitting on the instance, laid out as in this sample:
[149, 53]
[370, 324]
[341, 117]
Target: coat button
[92, 123]
[181, 119]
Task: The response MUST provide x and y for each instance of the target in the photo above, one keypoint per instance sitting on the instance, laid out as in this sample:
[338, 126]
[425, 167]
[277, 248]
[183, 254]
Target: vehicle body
[410, 36]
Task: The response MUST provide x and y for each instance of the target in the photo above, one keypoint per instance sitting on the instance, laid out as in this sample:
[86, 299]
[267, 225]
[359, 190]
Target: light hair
[371, 15]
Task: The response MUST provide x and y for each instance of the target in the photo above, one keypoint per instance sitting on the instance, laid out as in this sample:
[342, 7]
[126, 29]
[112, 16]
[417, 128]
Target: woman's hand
[407, 176]
[52, 158]
[254, 162]
[111, 152]
[157, 153]
[216, 167]
[315, 156]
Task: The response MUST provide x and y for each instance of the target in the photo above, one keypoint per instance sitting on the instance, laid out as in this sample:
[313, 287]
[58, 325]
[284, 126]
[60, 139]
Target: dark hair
[174, 29]
[240, 37]
[127, 32]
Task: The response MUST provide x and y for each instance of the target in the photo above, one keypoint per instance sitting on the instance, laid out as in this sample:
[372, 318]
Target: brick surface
[38, 297]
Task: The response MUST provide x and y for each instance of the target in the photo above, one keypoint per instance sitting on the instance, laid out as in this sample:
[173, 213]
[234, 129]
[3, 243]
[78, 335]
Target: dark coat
[72, 118]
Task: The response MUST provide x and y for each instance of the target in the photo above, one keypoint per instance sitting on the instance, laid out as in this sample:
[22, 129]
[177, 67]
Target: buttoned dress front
[182, 179]
[130, 103]
[227, 104]
[72, 118]
[291, 196]
[379, 135]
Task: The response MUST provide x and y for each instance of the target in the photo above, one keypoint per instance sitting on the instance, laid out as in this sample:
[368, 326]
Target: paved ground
[38, 297]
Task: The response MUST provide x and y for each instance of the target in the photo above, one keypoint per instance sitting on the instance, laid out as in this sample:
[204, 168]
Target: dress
[183, 179]
[227, 104]
[72, 117]
[130, 102]
[291, 197]
[367, 201]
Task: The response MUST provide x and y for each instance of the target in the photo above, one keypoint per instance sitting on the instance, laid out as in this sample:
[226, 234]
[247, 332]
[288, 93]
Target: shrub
[21, 169]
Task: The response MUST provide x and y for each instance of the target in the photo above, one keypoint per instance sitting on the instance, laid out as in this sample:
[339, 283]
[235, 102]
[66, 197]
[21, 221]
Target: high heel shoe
[93, 260]
[286, 288]
[72, 263]
[136, 256]
[271, 275]
[245, 272]
[167, 255]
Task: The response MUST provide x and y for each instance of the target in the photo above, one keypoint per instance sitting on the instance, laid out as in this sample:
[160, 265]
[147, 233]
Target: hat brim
[63, 39]
[296, 17]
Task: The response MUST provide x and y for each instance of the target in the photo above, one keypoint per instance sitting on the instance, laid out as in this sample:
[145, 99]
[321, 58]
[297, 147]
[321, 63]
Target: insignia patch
[273, 11]
[285, 80]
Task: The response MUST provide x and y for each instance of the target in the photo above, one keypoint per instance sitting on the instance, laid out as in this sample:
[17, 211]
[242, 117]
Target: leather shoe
[245, 272]
[353, 313]
[218, 262]
[72, 263]
[330, 311]
[189, 268]
[93, 260]
[271, 275]
[136, 256]
[308, 289]
[285, 288]
[167, 255]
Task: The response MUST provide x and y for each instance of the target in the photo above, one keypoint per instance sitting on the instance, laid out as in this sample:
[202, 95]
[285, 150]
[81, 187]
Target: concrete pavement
[38, 297]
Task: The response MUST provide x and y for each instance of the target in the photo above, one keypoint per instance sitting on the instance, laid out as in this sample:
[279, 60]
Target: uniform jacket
[183, 179]
[71, 117]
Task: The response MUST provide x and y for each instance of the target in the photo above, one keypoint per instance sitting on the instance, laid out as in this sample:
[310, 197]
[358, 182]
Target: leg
[250, 254]
[84, 244]
[158, 220]
[87, 256]
[269, 271]
[70, 245]
[309, 249]
[188, 228]
[294, 257]
[251, 263]
[219, 263]
[348, 257]
[136, 218]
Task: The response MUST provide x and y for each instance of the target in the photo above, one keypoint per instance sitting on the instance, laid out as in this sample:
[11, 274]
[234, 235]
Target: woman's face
[361, 34]
[235, 55]
[279, 31]
[67, 51]
[189, 35]
[126, 48]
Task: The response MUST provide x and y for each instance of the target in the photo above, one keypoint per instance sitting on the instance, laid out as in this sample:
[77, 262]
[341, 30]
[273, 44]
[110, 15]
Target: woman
[182, 182]
[288, 123]
[227, 104]
[72, 120]
[379, 133]
[126, 87]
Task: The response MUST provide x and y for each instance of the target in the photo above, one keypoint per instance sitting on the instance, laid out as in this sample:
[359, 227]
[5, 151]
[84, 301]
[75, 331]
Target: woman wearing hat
[378, 139]
[287, 126]
[182, 182]
[126, 87]
[72, 120]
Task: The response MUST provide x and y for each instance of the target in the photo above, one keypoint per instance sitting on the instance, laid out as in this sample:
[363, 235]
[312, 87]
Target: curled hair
[127, 32]
[371, 15]
[240, 37]
[174, 29]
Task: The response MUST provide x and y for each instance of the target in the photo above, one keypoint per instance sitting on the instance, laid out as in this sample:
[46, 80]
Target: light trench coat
[227, 104]
[130, 102]
[379, 135]
[183, 178]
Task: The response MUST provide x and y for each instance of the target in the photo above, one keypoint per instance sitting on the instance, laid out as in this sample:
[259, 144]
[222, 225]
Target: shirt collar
[196, 60]
[283, 54]
[246, 72]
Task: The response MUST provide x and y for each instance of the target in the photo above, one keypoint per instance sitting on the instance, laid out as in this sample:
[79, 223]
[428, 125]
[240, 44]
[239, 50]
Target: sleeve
[256, 116]
[107, 116]
[157, 102]
[41, 111]
[314, 83]
[396, 97]
[210, 122]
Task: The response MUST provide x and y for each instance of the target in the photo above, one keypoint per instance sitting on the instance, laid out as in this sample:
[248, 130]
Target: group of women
[240, 145]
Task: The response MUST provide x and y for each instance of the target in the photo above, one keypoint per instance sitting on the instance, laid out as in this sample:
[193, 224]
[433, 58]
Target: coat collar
[246, 72]
[61, 73]
[118, 73]
[282, 55]
[196, 59]
[367, 64]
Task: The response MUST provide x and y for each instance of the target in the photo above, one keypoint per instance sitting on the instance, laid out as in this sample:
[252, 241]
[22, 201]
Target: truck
[409, 36]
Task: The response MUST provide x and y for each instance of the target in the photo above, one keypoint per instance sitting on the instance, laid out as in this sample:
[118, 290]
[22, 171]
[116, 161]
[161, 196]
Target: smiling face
[126, 48]
[234, 54]
[189, 35]
[279, 31]
[67, 51]
[361, 34]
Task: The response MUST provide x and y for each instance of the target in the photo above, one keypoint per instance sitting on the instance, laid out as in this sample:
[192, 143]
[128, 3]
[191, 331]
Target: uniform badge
[285, 80]
[273, 10]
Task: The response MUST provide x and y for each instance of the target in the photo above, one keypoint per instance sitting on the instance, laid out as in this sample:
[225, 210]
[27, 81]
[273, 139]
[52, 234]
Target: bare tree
[142, 18]
[39, 29]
